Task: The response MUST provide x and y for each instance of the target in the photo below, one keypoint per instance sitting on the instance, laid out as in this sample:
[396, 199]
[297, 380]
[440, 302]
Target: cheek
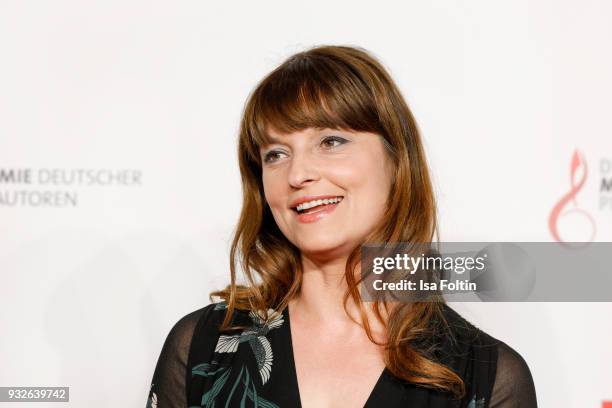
[368, 186]
[274, 190]
[370, 177]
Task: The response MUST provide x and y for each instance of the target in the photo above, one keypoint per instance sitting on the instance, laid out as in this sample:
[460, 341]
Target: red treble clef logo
[578, 163]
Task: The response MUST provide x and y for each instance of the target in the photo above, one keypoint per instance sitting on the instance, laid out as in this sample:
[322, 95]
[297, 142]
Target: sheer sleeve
[168, 386]
[513, 387]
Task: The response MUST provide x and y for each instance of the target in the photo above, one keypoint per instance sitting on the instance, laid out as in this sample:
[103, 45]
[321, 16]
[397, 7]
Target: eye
[273, 156]
[333, 141]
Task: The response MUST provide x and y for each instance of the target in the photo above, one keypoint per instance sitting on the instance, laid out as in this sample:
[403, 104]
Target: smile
[315, 203]
[313, 210]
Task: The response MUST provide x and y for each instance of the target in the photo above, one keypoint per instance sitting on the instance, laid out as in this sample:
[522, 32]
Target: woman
[330, 158]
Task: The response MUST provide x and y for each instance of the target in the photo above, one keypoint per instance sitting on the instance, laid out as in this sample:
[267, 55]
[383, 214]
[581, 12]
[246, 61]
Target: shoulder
[510, 360]
[466, 333]
[470, 351]
[186, 324]
[183, 329]
[514, 385]
[206, 317]
[508, 374]
[180, 337]
[168, 385]
[185, 332]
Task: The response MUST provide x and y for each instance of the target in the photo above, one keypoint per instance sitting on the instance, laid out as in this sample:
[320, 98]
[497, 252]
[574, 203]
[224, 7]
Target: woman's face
[327, 189]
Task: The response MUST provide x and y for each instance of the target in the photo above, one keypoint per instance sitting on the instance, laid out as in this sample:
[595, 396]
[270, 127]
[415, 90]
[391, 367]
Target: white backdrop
[94, 276]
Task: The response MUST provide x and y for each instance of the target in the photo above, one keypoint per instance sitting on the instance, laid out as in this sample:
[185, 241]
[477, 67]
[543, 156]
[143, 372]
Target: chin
[324, 248]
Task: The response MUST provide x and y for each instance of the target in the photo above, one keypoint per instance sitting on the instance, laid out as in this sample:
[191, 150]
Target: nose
[302, 171]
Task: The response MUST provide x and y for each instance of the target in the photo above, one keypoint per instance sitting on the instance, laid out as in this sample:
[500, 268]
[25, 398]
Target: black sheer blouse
[254, 367]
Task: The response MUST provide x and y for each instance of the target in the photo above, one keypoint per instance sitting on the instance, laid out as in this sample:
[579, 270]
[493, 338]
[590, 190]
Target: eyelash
[340, 140]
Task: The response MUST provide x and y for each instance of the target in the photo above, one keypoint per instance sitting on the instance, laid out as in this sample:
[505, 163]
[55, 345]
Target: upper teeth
[314, 203]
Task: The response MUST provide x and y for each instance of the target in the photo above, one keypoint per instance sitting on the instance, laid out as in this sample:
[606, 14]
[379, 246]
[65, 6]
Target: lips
[315, 208]
[305, 199]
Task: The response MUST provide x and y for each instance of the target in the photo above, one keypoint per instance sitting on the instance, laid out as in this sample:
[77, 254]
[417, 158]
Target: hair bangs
[310, 92]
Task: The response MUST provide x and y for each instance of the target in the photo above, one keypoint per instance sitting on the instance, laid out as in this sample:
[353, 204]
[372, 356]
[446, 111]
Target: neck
[322, 289]
[320, 301]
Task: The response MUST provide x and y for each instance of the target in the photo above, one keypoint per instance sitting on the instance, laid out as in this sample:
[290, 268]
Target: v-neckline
[293, 374]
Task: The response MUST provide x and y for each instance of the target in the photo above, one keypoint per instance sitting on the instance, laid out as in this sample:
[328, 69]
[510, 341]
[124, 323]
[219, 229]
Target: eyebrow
[262, 149]
[272, 140]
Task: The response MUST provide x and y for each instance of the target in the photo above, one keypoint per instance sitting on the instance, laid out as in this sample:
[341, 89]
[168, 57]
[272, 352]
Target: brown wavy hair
[338, 87]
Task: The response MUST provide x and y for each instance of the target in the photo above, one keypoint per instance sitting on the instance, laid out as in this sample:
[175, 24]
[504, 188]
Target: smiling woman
[309, 166]
[331, 159]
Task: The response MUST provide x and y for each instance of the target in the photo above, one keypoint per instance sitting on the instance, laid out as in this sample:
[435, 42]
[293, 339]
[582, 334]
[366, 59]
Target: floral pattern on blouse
[255, 336]
[476, 403]
[152, 401]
